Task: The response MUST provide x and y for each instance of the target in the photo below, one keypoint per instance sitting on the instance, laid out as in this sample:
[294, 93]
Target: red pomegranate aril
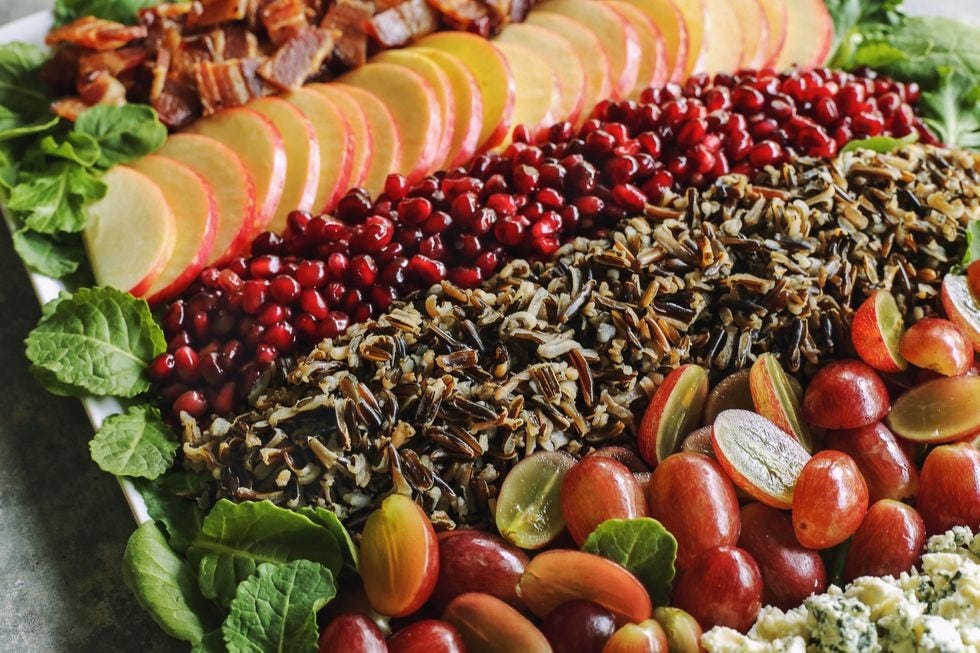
[510, 231]
[191, 402]
[265, 353]
[502, 204]
[363, 270]
[394, 272]
[629, 197]
[270, 314]
[702, 159]
[436, 223]
[432, 247]
[162, 368]
[463, 208]
[284, 289]
[352, 299]
[185, 364]
[382, 296]
[691, 133]
[747, 98]
[265, 266]
[281, 335]
[333, 294]
[334, 324]
[767, 153]
[229, 281]
[354, 206]
[487, 263]
[311, 274]
[414, 210]
[210, 368]
[868, 124]
[396, 186]
[313, 303]
[428, 271]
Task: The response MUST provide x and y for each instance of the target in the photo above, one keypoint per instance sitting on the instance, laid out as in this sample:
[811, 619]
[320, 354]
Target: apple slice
[961, 307]
[416, 111]
[670, 22]
[438, 80]
[196, 216]
[809, 33]
[695, 16]
[302, 157]
[723, 38]
[234, 191]
[559, 54]
[468, 102]
[593, 53]
[618, 37]
[386, 137]
[262, 152]
[130, 232]
[492, 74]
[776, 16]
[653, 69]
[357, 123]
[538, 92]
[336, 143]
[755, 32]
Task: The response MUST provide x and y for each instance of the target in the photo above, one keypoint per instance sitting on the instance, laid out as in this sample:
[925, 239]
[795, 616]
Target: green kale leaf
[138, 443]
[123, 133]
[54, 201]
[171, 500]
[643, 546]
[54, 256]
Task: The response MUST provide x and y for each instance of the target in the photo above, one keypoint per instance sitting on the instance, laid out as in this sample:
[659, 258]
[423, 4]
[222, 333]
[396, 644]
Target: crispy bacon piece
[400, 24]
[96, 34]
[283, 18]
[207, 13]
[229, 84]
[347, 19]
[232, 42]
[177, 103]
[297, 59]
[100, 87]
[165, 10]
[114, 62]
[69, 108]
[466, 15]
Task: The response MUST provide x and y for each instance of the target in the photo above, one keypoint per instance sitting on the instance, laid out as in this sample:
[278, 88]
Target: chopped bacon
[114, 62]
[232, 42]
[229, 84]
[165, 10]
[101, 88]
[283, 18]
[68, 108]
[462, 14]
[297, 59]
[177, 103]
[207, 13]
[347, 19]
[96, 33]
[403, 23]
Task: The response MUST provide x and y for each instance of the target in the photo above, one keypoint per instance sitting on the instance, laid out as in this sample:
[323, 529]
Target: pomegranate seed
[284, 289]
[414, 210]
[364, 271]
[265, 266]
[767, 153]
[211, 369]
[426, 269]
[185, 364]
[468, 277]
[354, 206]
[629, 197]
[229, 281]
[510, 231]
[691, 133]
[191, 402]
[383, 296]
[311, 274]
[334, 324]
[334, 293]
[162, 368]
[432, 247]
[464, 207]
[313, 303]
[271, 314]
[396, 186]
[265, 354]
[526, 179]
[296, 223]
[436, 223]
[254, 295]
[487, 263]
[173, 319]
[373, 235]
[281, 336]
[502, 204]
[394, 273]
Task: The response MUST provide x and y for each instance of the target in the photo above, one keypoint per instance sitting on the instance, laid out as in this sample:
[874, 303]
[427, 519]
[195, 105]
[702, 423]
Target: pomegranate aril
[185, 364]
[363, 271]
[314, 304]
[436, 223]
[281, 336]
[254, 296]
[191, 402]
[162, 368]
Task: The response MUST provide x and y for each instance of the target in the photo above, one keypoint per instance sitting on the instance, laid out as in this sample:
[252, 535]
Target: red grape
[939, 345]
[471, 561]
[949, 488]
[888, 542]
[578, 627]
[427, 636]
[845, 394]
[884, 464]
[597, 489]
[722, 588]
[830, 500]
[352, 633]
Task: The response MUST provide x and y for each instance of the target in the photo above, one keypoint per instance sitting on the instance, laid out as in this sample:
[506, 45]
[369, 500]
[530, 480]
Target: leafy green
[275, 610]
[166, 587]
[21, 89]
[123, 133]
[76, 146]
[170, 500]
[972, 243]
[331, 522]
[54, 256]
[15, 125]
[643, 546]
[99, 340]
[138, 443]
[121, 11]
[953, 109]
[54, 201]
[855, 20]
[237, 537]
[213, 642]
[882, 144]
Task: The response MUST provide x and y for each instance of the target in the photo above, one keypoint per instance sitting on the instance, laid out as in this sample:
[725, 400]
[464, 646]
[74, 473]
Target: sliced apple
[262, 152]
[809, 33]
[336, 143]
[755, 32]
[695, 17]
[413, 104]
[723, 38]
[776, 16]
[357, 123]
[653, 61]
[386, 138]
[593, 53]
[468, 102]
[669, 20]
[130, 233]
[231, 183]
[618, 37]
[302, 157]
[438, 80]
[195, 212]
[538, 92]
[558, 53]
[492, 75]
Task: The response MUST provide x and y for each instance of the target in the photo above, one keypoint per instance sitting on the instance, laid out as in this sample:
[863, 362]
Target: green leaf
[237, 537]
[834, 560]
[331, 522]
[15, 125]
[275, 610]
[854, 19]
[77, 146]
[166, 587]
[953, 110]
[213, 642]
[121, 11]
[881, 144]
[100, 340]
[124, 133]
[171, 500]
[21, 89]
[137, 444]
[51, 383]
[48, 255]
[54, 200]
[972, 243]
[643, 546]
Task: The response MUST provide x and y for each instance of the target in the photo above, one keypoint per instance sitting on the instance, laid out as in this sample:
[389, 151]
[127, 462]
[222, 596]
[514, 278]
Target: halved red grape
[733, 391]
[876, 330]
[949, 488]
[529, 504]
[941, 410]
[645, 637]
[597, 489]
[674, 411]
[773, 398]
[938, 345]
[488, 625]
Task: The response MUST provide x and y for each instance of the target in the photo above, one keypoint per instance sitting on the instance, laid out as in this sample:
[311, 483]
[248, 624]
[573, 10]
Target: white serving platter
[31, 29]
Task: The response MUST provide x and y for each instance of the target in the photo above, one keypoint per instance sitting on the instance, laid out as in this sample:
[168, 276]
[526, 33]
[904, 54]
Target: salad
[593, 327]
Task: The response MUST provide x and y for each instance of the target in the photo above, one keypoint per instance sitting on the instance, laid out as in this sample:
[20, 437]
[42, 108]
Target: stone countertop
[63, 522]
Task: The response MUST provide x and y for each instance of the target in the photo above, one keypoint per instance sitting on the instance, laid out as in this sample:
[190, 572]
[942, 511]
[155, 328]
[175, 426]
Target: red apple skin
[723, 588]
[962, 307]
[790, 571]
[869, 339]
[939, 345]
[830, 500]
[949, 488]
[845, 394]
[885, 465]
[352, 633]
[694, 500]
[888, 542]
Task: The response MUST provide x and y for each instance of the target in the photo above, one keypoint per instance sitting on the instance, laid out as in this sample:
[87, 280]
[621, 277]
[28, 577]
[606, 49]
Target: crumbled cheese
[935, 610]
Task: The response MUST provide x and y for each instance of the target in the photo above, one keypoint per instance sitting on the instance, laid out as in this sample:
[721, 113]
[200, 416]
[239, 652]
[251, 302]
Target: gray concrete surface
[63, 522]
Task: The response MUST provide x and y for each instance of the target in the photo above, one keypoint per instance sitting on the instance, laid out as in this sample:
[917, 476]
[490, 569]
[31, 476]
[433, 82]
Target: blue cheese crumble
[935, 609]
